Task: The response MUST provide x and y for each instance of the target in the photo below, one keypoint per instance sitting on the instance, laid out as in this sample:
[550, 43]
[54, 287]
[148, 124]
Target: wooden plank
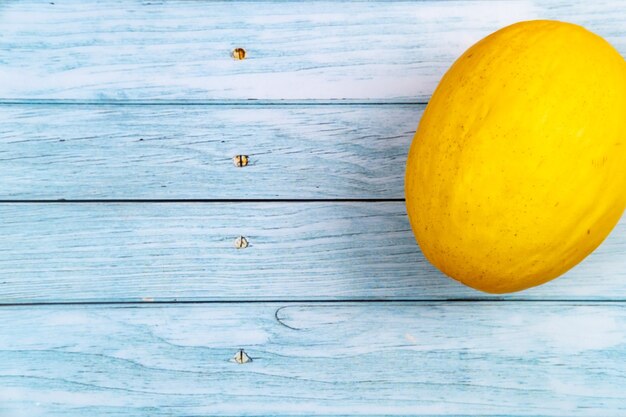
[470, 359]
[117, 49]
[69, 252]
[185, 152]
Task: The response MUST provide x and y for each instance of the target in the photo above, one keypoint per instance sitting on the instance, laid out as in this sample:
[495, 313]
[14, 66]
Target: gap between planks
[320, 302]
[214, 102]
[209, 200]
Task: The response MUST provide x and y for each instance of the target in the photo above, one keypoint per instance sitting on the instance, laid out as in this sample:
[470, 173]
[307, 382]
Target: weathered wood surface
[185, 152]
[115, 65]
[297, 251]
[505, 359]
[118, 49]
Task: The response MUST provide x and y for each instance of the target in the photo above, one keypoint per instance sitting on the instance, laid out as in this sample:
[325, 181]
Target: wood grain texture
[470, 359]
[117, 49]
[515, 358]
[185, 152]
[299, 251]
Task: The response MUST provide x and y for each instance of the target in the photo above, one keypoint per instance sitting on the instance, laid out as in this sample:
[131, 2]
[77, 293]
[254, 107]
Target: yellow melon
[517, 170]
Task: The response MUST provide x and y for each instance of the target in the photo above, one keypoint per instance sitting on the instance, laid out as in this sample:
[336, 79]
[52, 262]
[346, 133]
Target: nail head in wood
[242, 357]
[241, 242]
[238, 54]
[240, 160]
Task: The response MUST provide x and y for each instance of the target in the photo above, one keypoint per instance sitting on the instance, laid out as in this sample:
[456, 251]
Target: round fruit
[517, 170]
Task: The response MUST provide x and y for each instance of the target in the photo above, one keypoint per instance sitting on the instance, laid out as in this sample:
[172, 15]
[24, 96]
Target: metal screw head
[242, 357]
[240, 160]
[241, 242]
[238, 54]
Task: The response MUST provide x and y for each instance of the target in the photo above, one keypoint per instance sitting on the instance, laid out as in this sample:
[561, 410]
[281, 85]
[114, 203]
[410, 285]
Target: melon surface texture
[517, 170]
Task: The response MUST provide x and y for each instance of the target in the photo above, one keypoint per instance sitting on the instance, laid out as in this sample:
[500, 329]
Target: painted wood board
[470, 359]
[117, 49]
[186, 151]
[72, 252]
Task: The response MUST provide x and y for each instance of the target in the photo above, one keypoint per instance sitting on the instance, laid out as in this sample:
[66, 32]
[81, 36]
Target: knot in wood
[241, 242]
[238, 54]
[240, 160]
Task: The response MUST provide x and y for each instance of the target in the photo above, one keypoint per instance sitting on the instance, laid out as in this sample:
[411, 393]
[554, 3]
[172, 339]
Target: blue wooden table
[186, 233]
